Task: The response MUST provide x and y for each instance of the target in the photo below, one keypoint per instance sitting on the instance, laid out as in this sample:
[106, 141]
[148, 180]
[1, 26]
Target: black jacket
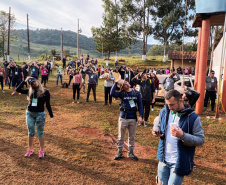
[147, 88]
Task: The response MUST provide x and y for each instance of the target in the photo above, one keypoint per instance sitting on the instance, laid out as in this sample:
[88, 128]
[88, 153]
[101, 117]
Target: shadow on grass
[208, 175]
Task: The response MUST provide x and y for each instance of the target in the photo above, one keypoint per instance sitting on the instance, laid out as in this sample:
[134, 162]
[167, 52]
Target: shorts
[16, 82]
[39, 119]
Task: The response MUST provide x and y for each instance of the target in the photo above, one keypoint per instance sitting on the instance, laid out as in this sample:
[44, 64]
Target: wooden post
[8, 51]
[61, 44]
[28, 41]
[203, 64]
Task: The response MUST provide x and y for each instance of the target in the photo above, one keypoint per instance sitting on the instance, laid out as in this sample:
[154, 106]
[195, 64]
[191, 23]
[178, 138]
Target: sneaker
[41, 154]
[105, 103]
[29, 153]
[95, 101]
[119, 155]
[145, 124]
[13, 93]
[78, 102]
[73, 102]
[132, 156]
[19, 93]
[3, 91]
[152, 109]
[139, 124]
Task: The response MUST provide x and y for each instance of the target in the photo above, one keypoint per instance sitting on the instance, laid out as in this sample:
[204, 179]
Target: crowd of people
[178, 127]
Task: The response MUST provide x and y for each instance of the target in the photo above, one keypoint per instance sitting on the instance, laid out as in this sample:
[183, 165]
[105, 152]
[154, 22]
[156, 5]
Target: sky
[57, 14]
[53, 14]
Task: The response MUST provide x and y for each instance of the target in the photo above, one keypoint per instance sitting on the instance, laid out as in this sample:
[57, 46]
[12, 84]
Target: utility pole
[8, 52]
[28, 41]
[61, 44]
[79, 31]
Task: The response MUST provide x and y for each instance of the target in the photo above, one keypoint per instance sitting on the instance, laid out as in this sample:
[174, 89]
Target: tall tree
[135, 14]
[169, 18]
[4, 21]
[111, 36]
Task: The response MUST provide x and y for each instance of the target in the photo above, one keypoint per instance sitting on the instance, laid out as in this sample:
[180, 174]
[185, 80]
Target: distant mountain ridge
[52, 38]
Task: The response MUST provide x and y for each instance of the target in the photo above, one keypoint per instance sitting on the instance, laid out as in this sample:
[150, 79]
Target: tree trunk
[164, 58]
[144, 36]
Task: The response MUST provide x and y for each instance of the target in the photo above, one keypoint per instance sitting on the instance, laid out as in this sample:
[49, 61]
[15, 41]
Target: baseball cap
[31, 80]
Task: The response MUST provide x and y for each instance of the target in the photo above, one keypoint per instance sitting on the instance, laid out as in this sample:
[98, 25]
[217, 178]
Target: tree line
[125, 21]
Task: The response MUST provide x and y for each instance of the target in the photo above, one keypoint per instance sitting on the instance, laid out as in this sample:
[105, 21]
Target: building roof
[216, 19]
[187, 55]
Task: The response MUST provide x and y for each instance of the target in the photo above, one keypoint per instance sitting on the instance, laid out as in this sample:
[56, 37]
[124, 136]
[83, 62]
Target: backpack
[64, 85]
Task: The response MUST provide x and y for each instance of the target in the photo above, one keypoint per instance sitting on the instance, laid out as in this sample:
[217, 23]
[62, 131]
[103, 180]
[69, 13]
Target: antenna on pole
[8, 51]
[28, 41]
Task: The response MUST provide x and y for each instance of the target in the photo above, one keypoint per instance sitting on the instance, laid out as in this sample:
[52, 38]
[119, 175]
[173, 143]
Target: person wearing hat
[35, 114]
[211, 90]
[130, 102]
[108, 83]
[147, 90]
[190, 96]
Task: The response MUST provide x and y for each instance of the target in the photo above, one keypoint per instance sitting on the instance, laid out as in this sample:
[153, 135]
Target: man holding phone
[180, 131]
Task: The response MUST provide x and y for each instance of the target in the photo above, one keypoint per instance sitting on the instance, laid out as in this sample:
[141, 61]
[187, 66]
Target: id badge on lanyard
[34, 102]
[16, 72]
[91, 76]
[132, 104]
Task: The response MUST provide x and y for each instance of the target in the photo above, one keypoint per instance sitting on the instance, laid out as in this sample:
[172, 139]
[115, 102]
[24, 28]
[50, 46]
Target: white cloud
[54, 14]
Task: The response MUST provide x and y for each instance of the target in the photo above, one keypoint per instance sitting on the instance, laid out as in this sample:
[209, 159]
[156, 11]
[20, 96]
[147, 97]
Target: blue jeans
[59, 75]
[166, 174]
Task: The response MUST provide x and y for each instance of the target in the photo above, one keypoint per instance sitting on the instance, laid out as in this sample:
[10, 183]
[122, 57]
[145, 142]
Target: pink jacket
[77, 79]
[44, 71]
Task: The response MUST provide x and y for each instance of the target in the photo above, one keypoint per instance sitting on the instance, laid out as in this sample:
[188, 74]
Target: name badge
[126, 75]
[131, 103]
[34, 102]
[1, 73]
[16, 73]
[91, 76]
[44, 71]
[212, 80]
[33, 69]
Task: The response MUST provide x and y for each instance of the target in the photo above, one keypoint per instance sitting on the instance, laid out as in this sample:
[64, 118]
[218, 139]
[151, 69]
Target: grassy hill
[44, 40]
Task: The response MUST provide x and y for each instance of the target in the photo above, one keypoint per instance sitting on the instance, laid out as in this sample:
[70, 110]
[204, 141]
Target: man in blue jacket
[129, 99]
[180, 131]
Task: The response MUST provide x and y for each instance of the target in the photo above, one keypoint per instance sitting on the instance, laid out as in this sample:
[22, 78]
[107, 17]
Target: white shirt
[171, 141]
